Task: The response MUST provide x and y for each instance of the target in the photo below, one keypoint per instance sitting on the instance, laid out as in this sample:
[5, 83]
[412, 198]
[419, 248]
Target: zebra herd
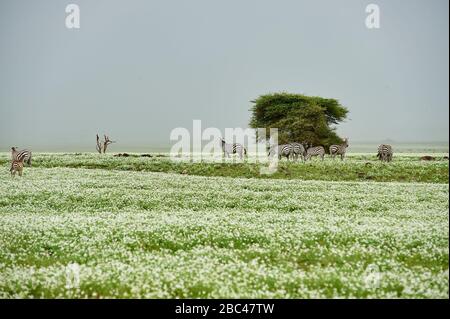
[17, 160]
[306, 151]
[294, 150]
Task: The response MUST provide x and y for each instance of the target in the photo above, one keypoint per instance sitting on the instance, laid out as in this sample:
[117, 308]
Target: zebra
[315, 151]
[285, 150]
[339, 149]
[385, 152]
[23, 155]
[298, 149]
[16, 166]
[234, 148]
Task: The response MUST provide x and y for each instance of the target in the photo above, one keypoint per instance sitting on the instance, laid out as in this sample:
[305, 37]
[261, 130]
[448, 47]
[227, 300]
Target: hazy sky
[138, 69]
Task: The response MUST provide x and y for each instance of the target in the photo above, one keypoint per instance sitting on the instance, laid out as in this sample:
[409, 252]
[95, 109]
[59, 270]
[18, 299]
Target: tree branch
[98, 147]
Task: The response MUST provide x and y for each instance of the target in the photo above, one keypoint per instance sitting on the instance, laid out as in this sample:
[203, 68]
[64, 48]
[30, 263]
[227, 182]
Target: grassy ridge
[360, 167]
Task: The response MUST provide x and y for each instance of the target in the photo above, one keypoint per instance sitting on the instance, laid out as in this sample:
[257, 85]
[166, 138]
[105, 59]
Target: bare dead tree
[106, 143]
[103, 146]
[98, 147]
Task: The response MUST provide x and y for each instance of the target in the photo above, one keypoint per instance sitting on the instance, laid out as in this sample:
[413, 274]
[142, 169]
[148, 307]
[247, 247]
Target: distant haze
[138, 69]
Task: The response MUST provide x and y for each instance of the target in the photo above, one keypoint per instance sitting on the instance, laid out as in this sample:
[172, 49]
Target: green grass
[357, 167]
[135, 233]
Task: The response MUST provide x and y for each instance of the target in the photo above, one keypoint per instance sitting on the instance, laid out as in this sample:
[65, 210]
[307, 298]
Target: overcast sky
[138, 69]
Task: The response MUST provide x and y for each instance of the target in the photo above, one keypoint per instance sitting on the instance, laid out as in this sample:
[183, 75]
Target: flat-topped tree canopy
[299, 117]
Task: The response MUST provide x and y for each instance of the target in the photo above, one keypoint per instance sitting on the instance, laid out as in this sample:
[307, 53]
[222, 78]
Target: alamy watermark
[72, 276]
[236, 145]
[373, 18]
[73, 16]
[72, 20]
[372, 277]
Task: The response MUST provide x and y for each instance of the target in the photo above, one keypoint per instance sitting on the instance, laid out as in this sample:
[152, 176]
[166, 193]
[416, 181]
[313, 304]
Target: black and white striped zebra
[339, 149]
[284, 150]
[16, 166]
[385, 153]
[234, 148]
[298, 150]
[22, 155]
[315, 151]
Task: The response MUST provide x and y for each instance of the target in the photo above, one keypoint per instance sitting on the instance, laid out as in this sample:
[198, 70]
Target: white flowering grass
[356, 167]
[95, 233]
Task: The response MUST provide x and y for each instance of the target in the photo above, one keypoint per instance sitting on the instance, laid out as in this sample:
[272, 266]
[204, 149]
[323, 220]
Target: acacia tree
[298, 117]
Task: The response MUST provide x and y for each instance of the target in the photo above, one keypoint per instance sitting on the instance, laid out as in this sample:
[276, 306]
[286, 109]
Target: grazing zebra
[298, 149]
[315, 151]
[234, 148]
[385, 152]
[339, 149]
[285, 150]
[16, 166]
[23, 155]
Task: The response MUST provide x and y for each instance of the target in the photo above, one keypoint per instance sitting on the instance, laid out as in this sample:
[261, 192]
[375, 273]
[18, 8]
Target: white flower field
[110, 233]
